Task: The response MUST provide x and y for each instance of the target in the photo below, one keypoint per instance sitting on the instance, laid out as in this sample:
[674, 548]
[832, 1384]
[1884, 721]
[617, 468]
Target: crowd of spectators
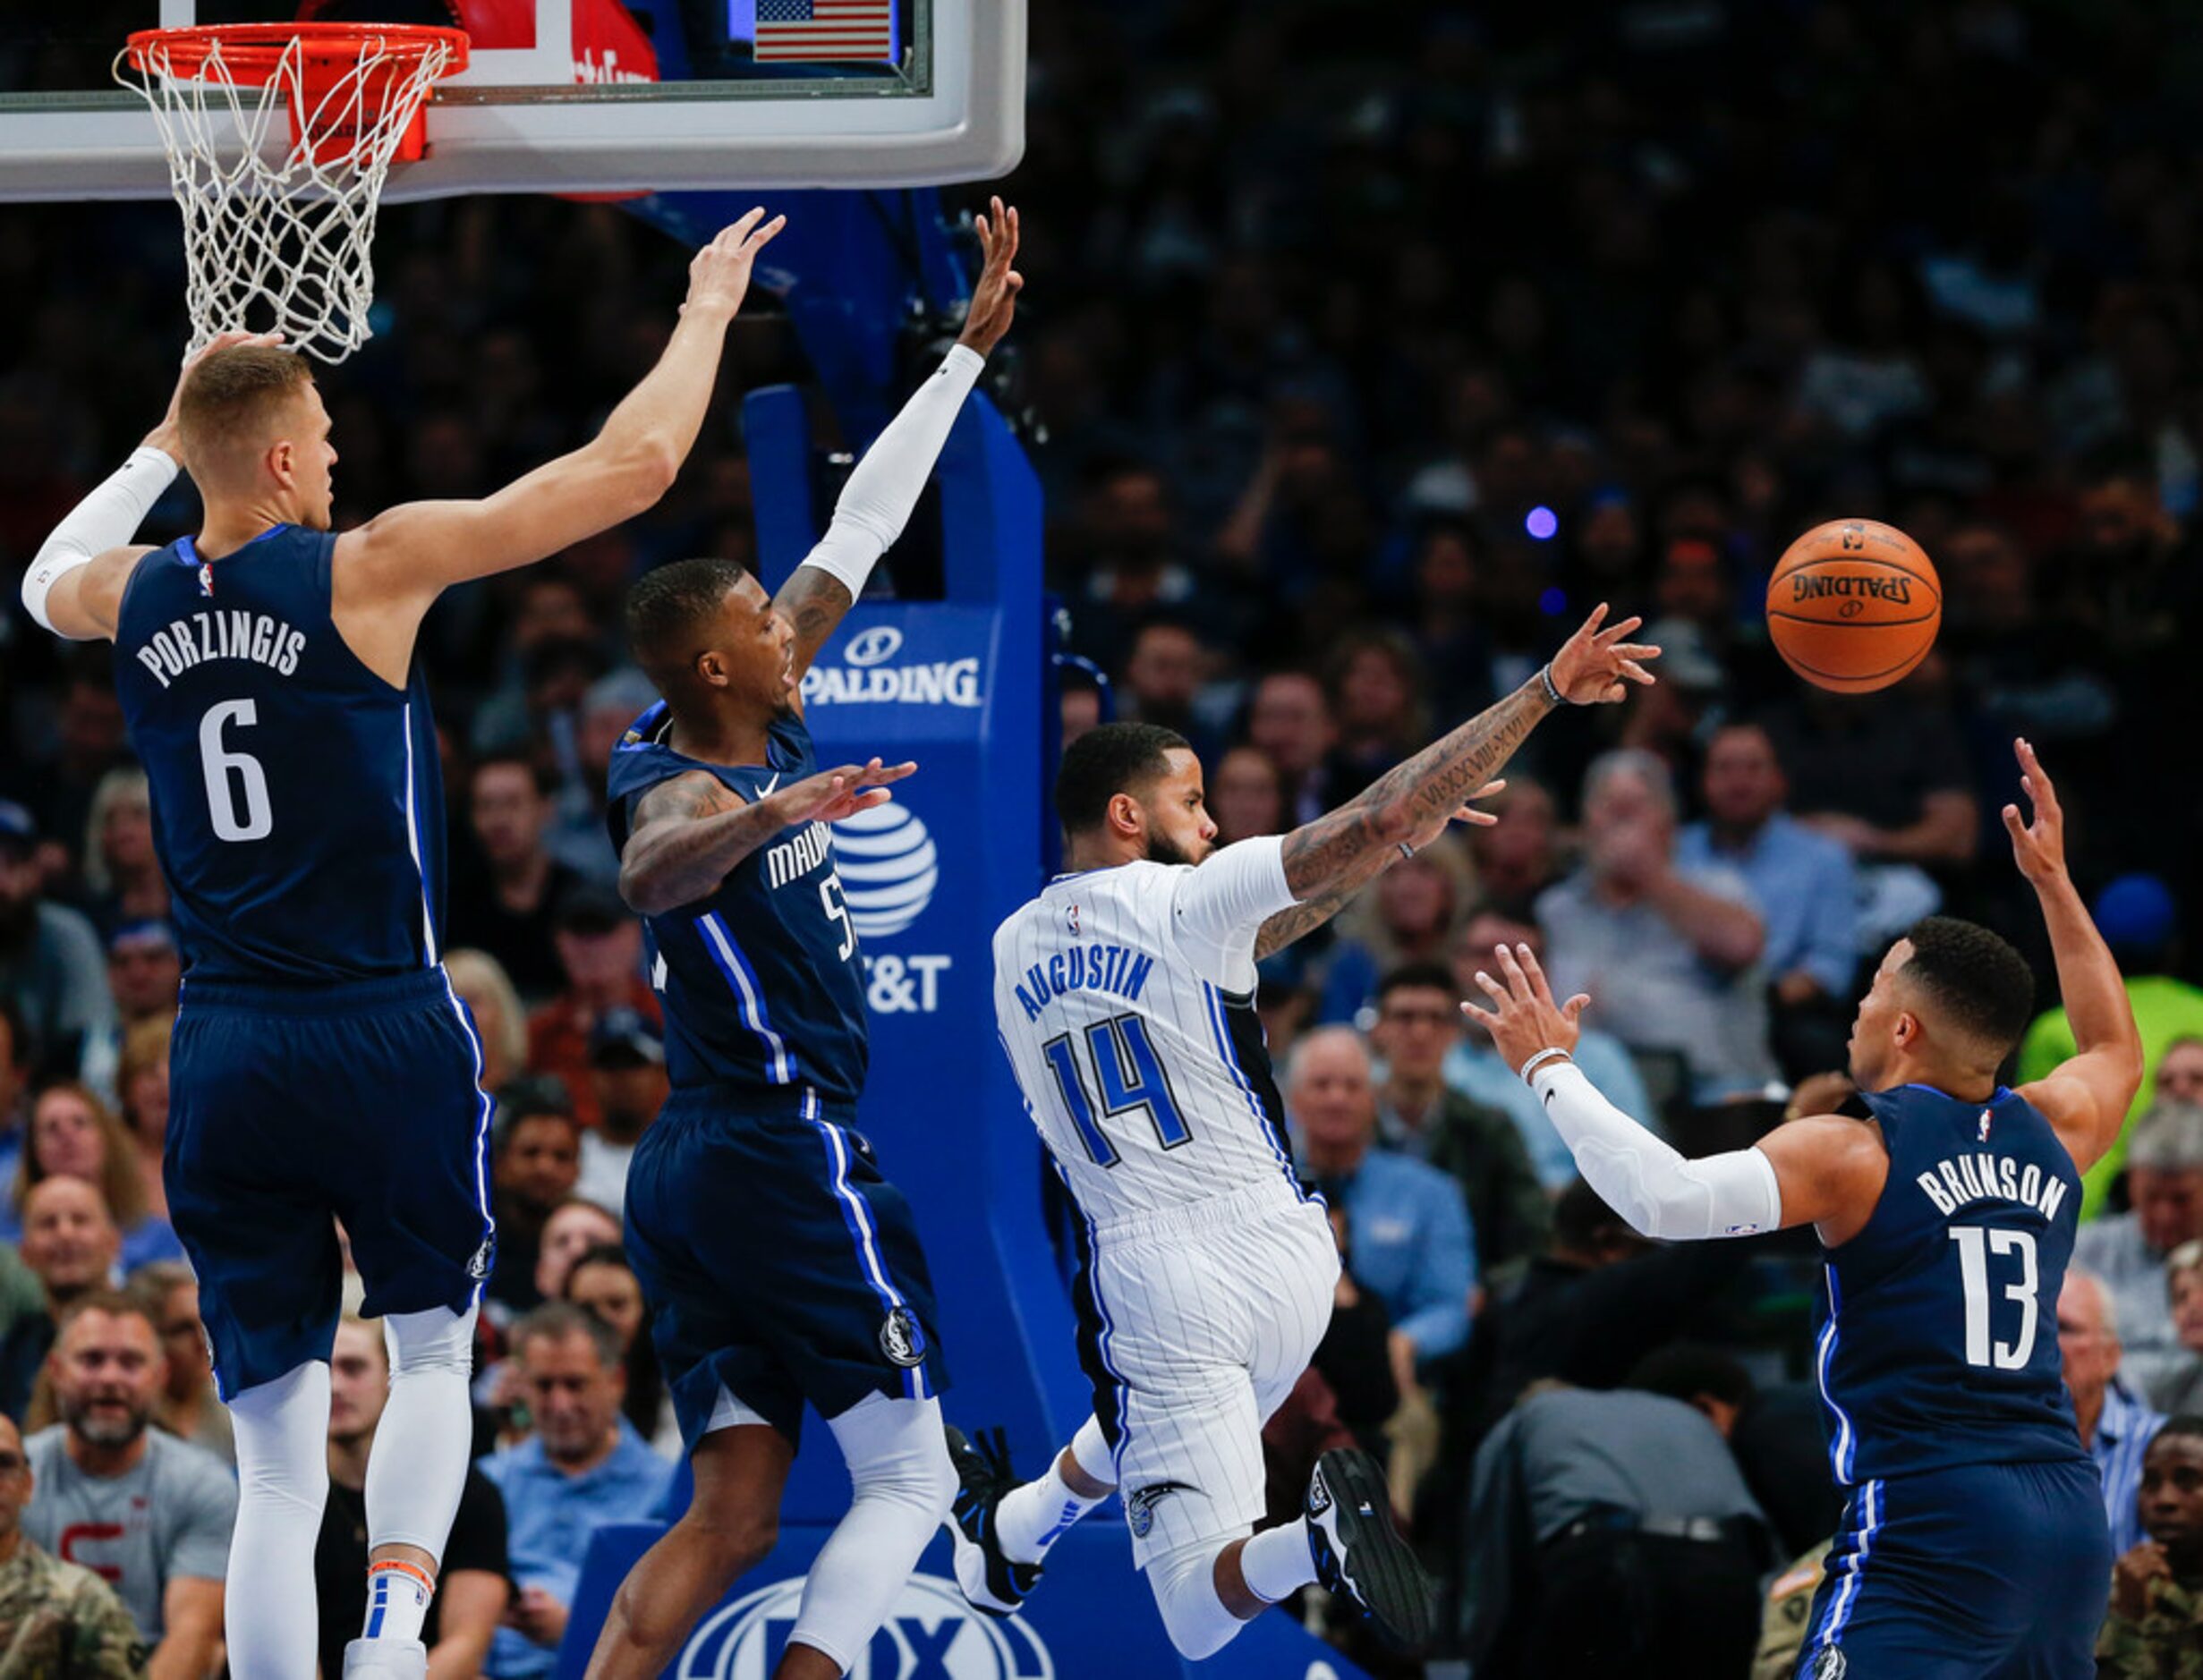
[1367, 348]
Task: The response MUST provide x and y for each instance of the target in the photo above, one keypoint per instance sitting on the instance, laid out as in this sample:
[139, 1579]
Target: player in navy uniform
[1974, 1543]
[323, 1065]
[779, 1265]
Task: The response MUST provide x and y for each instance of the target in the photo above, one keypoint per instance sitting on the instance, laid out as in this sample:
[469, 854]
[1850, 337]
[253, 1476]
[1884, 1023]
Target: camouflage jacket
[1782, 1629]
[2165, 1643]
[61, 1622]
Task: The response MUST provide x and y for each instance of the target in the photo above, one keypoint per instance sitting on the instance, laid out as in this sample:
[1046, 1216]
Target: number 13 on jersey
[1976, 1247]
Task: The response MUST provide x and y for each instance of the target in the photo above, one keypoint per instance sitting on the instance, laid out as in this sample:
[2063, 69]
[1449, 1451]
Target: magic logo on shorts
[1140, 1505]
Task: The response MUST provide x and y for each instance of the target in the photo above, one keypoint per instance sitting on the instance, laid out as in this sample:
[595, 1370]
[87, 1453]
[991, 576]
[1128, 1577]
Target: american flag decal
[824, 31]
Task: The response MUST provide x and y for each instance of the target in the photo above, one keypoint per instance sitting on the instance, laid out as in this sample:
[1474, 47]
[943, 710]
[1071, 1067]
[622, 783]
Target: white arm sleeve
[107, 519]
[1646, 1183]
[876, 501]
[1222, 904]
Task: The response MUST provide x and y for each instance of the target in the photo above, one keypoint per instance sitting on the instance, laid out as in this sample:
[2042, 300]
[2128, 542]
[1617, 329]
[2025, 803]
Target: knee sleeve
[895, 1451]
[439, 1339]
[1183, 1583]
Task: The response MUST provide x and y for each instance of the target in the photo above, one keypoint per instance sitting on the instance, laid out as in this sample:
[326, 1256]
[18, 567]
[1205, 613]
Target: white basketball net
[274, 238]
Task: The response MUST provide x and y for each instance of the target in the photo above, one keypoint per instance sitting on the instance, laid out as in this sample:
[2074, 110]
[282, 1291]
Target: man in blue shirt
[1407, 1231]
[1479, 1072]
[1806, 885]
[2114, 1426]
[585, 1466]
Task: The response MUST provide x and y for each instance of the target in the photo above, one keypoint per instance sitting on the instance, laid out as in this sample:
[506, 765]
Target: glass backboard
[577, 96]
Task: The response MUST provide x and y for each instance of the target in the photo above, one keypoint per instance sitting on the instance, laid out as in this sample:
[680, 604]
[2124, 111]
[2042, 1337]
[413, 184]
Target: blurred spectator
[1802, 884]
[535, 1163]
[1289, 721]
[49, 955]
[1408, 917]
[1080, 705]
[1673, 946]
[145, 977]
[1517, 858]
[14, 1084]
[2180, 1072]
[189, 1408]
[577, 837]
[2030, 675]
[2115, 1427]
[1246, 795]
[600, 952]
[1374, 682]
[2127, 1251]
[75, 1135]
[1355, 1357]
[602, 1282]
[1789, 1602]
[1406, 1222]
[2138, 918]
[70, 1245]
[1882, 774]
[149, 1513]
[142, 1073]
[585, 1466]
[627, 1076]
[500, 1024]
[1475, 1068]
[2179, 1386]
[88, 741]
[2155, 1630]
[1610, 1534]
[1165, 672]
[1418, 1020]
[123, 878]
[511, 911]
[573, 1228]
[56, 1618]
[472, 1592]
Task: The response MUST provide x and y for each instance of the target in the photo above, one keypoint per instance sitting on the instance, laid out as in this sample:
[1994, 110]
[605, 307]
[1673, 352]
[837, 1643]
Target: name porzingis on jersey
[221, 633]
[1099, 968]
[794, 859]
[1960, 1179]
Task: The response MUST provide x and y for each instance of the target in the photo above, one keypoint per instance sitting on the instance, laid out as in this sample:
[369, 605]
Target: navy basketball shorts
[291, 1105]
[1984, 1572]
[779, 1265]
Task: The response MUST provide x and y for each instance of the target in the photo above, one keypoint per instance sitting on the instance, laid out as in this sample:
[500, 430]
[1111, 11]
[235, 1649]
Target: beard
[1161, 848]
[105, 1430]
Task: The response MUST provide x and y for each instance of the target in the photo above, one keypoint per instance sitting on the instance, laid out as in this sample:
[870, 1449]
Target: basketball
[1854, 606]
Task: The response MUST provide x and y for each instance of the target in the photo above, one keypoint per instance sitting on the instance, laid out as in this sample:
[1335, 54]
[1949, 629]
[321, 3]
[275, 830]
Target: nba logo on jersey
[1985, 1125]
[1070, 917]
[206, 579]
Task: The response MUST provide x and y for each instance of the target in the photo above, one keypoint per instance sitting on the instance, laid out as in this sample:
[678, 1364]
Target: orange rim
[250, 51]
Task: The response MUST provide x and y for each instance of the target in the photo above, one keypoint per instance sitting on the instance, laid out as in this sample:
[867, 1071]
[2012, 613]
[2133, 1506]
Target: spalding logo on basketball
[930, 1633]
[1854, 606]
[889, 867]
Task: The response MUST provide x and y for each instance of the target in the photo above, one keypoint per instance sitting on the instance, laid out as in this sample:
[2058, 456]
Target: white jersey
[1124, 998]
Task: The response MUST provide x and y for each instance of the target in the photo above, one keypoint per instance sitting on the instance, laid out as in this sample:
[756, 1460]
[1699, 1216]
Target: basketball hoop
[283, 229]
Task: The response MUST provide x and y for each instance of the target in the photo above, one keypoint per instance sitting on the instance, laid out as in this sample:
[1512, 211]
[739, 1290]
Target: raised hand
[168, 436]
[1591, 664]
[1523, 1019]
[832, 794]
[994, 299]
[1465, 813]
[718, 277]
[2038, 847]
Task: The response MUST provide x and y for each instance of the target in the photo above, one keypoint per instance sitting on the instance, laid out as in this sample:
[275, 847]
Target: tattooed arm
[690, 832]
[1329, 860]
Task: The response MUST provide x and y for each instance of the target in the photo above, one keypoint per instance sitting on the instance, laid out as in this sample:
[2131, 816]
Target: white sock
[1034, 1517]
[397, 1601]
[283, 1480]
[1276, 1563]
[904, 1485]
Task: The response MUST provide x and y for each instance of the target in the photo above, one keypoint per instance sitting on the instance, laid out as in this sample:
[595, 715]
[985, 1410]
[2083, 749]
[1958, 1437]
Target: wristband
[1552, 1053]
[1545, 675]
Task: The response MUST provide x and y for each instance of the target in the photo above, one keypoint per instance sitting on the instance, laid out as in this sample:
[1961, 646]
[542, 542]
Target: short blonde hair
[478, 971]
[145, 1047]
[119, 1185]
[229, 397]
[126, 784]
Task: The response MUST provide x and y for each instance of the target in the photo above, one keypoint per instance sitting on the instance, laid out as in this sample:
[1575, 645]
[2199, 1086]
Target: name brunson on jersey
[231, 634]
[1100, 968]
[1960, 1179]
[791, 860]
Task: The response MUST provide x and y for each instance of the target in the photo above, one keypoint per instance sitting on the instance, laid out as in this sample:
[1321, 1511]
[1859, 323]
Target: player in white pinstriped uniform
[1124, 995]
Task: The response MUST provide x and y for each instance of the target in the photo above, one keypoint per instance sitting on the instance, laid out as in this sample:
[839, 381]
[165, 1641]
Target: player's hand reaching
[718, 277]
[168, 436]
[1523, 1019]
[1467, 813]
[2038, 847]
[832, 794]
[1593, 664]
[994, 299]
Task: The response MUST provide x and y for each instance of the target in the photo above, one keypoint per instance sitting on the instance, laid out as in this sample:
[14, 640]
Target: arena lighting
[1554, 602]
[1541, 522]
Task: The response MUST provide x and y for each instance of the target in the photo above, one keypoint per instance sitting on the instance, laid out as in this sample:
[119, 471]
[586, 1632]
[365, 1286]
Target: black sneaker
[990, 1582]
[1360, 1556]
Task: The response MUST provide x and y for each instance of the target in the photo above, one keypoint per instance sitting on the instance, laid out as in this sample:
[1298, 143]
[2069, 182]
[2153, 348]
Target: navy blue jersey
[762, 984]
[1937, 1340]
[298, 802]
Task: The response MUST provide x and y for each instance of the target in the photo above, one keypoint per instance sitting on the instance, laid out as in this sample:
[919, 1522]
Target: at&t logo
[889, 867]
[931, 1633]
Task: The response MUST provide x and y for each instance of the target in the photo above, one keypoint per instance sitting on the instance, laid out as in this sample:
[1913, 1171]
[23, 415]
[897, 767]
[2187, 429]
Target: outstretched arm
[2086, 1097]
[690, 832]
[875, 503]
[1329, 860]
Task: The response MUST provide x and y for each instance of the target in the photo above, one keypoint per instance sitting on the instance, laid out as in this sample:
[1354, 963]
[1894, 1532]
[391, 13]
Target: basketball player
[779, 1265]
[323, 1065]
[1974, 1544]
[1125, 995]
